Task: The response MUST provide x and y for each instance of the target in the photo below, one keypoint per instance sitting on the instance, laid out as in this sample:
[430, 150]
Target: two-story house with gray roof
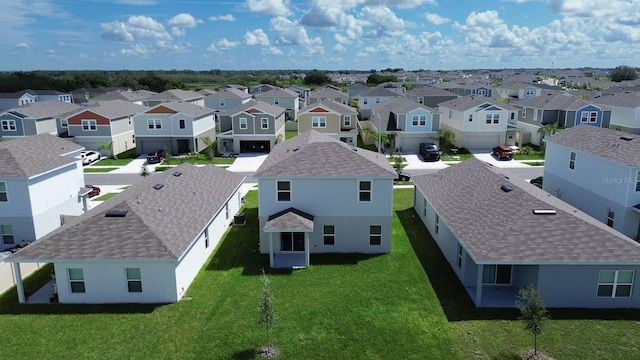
[430, 96]
[500, 234]
[408, 122]
[19, 98]
[331, 118]
[174, 95]
[320, 195]
[42, 117]
[254, 126]
[180, 127]
[625, 110]
[597, 171]
[480, 123]
[145, 244]
[41, 181]
[283, 98]
[105, 123]
[226, 99]
[369, 98]
[325, 93]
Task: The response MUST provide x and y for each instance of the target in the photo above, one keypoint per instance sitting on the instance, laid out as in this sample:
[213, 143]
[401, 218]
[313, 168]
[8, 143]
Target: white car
[89, 156]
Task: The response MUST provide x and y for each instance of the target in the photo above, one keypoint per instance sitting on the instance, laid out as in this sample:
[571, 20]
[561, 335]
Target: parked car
[89, 156]
[403, 176]
[95, 191]
[537, 181]
[154, 157]
[503, 152]
[430, 152]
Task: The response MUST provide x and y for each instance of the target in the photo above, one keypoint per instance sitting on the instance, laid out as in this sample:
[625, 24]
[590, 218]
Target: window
[182, 124]
[419, 120]
[3, 192]
[637, 184]
[375, 235]
[364, 101]
[221, 102]
[318, 122]
[329, 234]
[226, 211]
[615, 283]
[154, 124]
[460, 255]
[276, 101]
[496, 274]
[535, 115]
[529, 92]
[134, 279]
[524, 112]
[488, 118]
[610, 215]
[8, 125]
[292, 241]
[420, 100]
[347, 121]
[584, 117]
[593, 117]
[424, 207]
[513, 115]
[450, 114]
[496, 118]
[206, 238]
[243, 123]
[284, 191]
[377, 100]
[437, 224]
[129, 120]
[6, 231]
[264, 123]
[76, 280]
[89, 125]
[364, 193]
[64, 123]
[572, 161]
[470, 117]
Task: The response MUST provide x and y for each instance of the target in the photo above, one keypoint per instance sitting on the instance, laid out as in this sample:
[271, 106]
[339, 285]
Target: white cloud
[184, 20]
[339, 48]
[227, 17]
[22, 45]
[385, 22]
[292, 33]
[626, 11]
[256, 37]
[136, 26]
[272, 50]
[269, 7]
[178, 31]
[436, 19]
[225, 44]
[116, 31]
[135, 49]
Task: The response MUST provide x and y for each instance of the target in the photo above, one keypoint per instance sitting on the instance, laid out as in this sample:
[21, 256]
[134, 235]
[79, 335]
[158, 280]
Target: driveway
[247, 162]
[486, 156]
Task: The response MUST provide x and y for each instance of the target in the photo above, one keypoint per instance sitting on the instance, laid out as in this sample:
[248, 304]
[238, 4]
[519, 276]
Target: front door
[183, 146]
[292, 241]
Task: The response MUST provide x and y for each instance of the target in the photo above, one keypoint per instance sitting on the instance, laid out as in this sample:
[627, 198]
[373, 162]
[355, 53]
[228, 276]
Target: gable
[161, 110]
[319, 110]
[85, 115]
[254, 111]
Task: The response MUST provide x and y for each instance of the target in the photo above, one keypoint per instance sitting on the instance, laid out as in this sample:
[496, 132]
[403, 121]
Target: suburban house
[19, 98]
[625, 110]
[369, 98]
[106, 126]
[596, 170]
[325, 93]
[83, 95]
[261, 88]
[561, 108]
[174, 95]
[145, 244]
[466, 88]
[254, 126]
[331, 118]
[355, 90]
[518, 90]
[234, 86]
[41, 182]
[181, 127]
[480, 123]
[430, 95]
[226, 99]
[303, 93]
[409, 123]
[136, 97]
[394, 87]
[500, 234]
[283, 98]
[36, 118]
[317, 194]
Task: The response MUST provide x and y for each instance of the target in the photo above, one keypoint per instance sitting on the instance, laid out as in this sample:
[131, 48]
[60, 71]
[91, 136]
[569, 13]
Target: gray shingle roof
[159, 224]
[327, 93]
[495, 226]
[331, 105]
[290, 219]
[464, 103]
[176, 94]
[33, 155]
[114, 109]
[278, 93]
[430, 91]
[44, 109]
[399, 105]
[229, 94]
[376, 91]
[136, 95]
[600, 142]
[261, 106]
[191, 109]
[313, 154]
[623, 99]
[554, 100]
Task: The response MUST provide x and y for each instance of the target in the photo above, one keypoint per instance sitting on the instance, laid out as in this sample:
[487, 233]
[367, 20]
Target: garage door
[254, 146]
[483, 142]
[152, 146]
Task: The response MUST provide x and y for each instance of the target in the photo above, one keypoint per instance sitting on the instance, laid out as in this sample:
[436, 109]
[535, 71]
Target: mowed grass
[342, 307]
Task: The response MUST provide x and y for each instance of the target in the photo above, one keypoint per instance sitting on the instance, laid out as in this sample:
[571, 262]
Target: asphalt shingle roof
[495, 226]
[600, 142]
[114, 109]
[263, 107]
[44, 109]
[191, 109]
[33, 155]
[290, 219]
[333, 106]
[399, 105]
[464, 103]
[313, 154]
[229, 94]
[278, 93]
[176, 94]
[159, 224]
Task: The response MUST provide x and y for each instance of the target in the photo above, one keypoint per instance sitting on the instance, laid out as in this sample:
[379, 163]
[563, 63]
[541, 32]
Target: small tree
[210, 151]
[397, 162]
[533, 312]
[546, 130]
[267, 313]
[144, 171]
[107, 146]
[445, 139]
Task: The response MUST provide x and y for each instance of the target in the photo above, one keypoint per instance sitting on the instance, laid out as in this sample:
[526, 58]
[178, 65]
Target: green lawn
[200, 159]
[289, 134]
[99, 169]
[114, 162]
[361, 144]
[106, 196]
[459, 157]
[404, 305]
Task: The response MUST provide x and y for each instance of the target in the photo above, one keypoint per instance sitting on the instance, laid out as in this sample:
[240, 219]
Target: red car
[503, 152]
[94, 190]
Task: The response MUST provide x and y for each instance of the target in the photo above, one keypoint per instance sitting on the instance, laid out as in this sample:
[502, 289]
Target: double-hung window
[89, 125]
[637, 183]
[347, 121]
[488, 118]
[364, 191]
[76, 280]
[182, 124]
[437, 224]
[459, 255]
[134, 279]
[610, 215]
[584, 117]
[284, 190]
[243, 123]
[64, 123]
[6, 232]
[3, 192]
[496, 118]
[154, 124]
[572, 161]
[264, 123]
[329, 234]
[593, 117]
[375, 235]
[318, 122]
[8, 125]
[615, 283]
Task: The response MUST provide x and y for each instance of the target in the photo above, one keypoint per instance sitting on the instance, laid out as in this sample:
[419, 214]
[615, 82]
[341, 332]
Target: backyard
[404, 305]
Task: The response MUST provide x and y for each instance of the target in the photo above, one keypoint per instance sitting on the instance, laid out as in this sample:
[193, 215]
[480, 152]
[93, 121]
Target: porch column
[306, 249]
[270, 249]
[478, 299]
[18, 280]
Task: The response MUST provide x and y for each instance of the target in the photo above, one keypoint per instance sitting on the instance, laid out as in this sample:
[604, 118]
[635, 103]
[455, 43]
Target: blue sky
[317, 34]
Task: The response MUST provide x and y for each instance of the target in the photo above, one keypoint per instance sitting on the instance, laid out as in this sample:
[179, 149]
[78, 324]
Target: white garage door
[483, 142]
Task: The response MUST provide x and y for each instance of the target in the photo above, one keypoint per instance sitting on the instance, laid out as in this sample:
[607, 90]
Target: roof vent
[626, 137]
[544, 211]
[177, 173]
[158, 186]
[116, 213]
[506, 187]
[503, 176]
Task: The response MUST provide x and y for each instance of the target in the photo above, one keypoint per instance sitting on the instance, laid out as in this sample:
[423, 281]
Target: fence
[7, 276]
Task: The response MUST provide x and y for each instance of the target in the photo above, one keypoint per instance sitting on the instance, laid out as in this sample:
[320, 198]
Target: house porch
[495, 296]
